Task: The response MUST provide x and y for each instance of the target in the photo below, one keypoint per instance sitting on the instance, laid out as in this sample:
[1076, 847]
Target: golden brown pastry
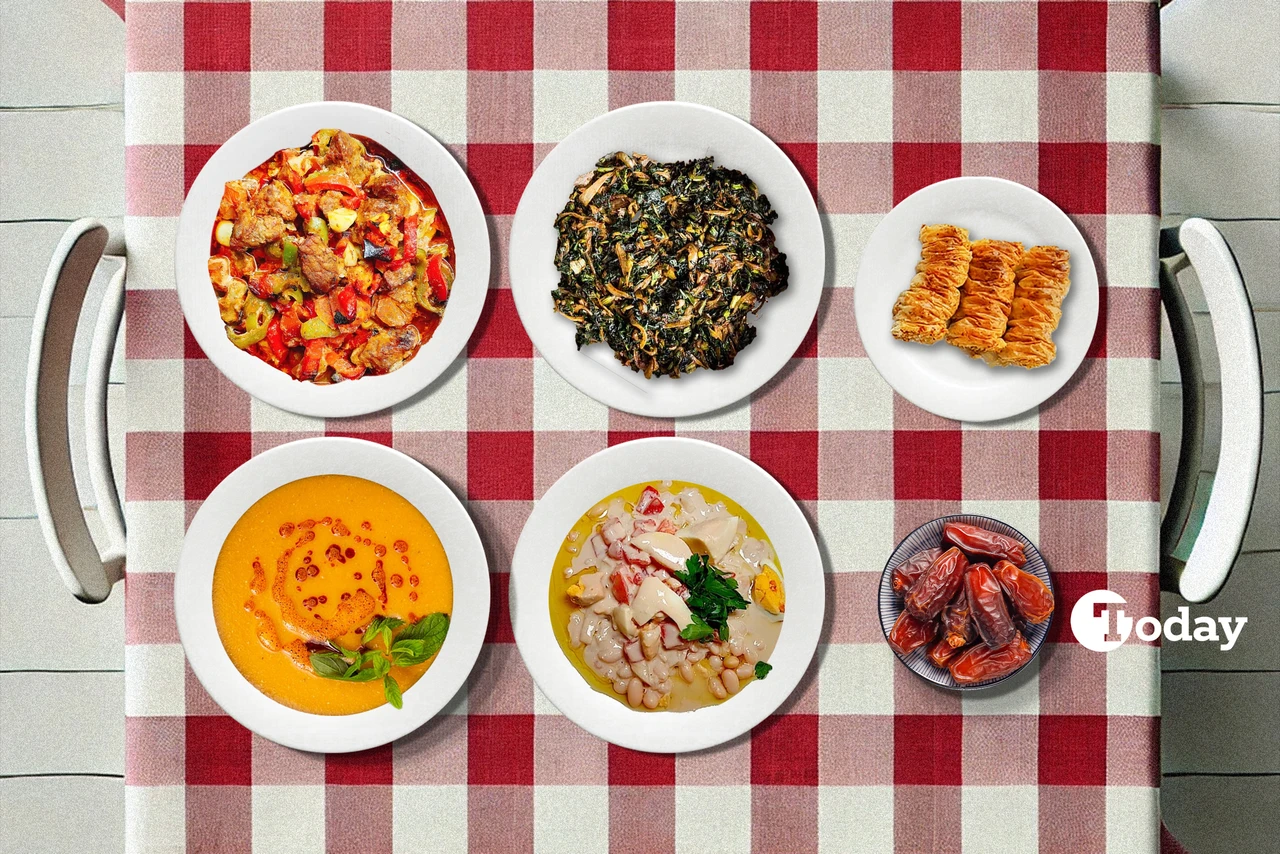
[1041, 282]
[985, 300]
[922, 311]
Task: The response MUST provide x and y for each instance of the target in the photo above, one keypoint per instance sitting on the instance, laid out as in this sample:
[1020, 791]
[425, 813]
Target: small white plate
[193, 594]
[943, 379]
[420, 152]
[667, 131]
[659, 459]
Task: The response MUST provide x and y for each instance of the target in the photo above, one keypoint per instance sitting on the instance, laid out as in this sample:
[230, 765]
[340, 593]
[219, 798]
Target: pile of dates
[971, 613]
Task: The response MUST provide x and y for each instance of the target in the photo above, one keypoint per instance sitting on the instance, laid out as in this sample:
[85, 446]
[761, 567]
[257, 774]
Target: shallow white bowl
[419, 151]
[666, 459]
[666, 131]
[193, 594]
[943, 379]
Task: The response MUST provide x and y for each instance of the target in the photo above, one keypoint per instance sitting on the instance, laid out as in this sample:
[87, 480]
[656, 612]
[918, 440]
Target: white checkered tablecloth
[872, 100]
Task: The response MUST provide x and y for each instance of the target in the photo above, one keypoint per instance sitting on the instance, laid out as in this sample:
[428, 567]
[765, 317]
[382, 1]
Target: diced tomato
[353, 201]
[344, 305]
[666, 526]
[375, 237]
[440, 277]
[361, 336]
[620, 590]
[649, 504]
[259, 286]
[328, 179]
[305, 209]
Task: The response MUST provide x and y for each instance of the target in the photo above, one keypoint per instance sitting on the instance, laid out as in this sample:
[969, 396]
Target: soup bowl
[694, 462]
[194, 604]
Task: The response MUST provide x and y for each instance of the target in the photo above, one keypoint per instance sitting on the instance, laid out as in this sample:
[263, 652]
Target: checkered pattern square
[872, 99]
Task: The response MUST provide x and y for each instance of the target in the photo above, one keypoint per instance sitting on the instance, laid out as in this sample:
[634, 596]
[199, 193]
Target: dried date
[981, 662]
[986, 601]
[980, 541]
[906, 573]
[909, 634]
[937, 585]
[1030, 596]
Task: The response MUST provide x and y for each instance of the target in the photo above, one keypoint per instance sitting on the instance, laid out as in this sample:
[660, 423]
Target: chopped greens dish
[666, 261]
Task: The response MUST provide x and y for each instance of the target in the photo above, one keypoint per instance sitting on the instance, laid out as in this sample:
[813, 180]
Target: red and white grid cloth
[872, 100]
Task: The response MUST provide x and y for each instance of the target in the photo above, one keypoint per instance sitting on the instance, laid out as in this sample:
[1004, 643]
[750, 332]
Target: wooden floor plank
[1220, 162]
[1234, 734]
[1263, 533]
[40, 710]
[92, 636]
[1251, 591]
[1220, 50]
[1222, 815]
[15, 483]
[84, 148]
[61, 814]
[60, 52]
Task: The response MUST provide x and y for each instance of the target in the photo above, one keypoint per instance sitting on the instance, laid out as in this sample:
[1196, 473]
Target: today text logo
[1101, 625]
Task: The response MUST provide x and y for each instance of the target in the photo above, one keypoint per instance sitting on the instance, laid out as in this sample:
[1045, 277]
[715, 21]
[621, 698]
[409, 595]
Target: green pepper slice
[257, 314]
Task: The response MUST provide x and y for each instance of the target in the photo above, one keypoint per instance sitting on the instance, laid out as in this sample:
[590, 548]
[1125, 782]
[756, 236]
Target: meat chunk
[398, 277]
[235, 196]
[348, 152]
[384, 185]
[396, 308]
[386, 350]
[329, 200]
[275, 198]
[322, 268]
[254, 229]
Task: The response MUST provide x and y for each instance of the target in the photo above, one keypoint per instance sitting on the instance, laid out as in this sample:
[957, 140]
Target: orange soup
[307, 569]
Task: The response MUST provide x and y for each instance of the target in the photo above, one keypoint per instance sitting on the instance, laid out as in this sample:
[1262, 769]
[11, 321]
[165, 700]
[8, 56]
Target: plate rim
[880, 358]
[604, 717]
[370, 394]
[223, 681]
[885, 597]
[809, 218]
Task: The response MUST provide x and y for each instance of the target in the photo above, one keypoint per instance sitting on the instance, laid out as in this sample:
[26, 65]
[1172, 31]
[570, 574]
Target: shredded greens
[666, 261]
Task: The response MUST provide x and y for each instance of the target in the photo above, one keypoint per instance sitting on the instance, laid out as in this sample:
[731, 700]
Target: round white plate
[666, 459]
[193, 594]
[667, 131]
[943, 379]
[419, 151]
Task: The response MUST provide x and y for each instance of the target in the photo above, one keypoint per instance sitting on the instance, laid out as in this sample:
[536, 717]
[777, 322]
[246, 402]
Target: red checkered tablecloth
[872, 100]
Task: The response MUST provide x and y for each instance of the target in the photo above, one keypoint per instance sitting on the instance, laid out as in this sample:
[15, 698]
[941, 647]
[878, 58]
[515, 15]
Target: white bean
[635, 692]
[659, 670]
[730, 661]
[611, 654]
[717, 688]
[575, 629]
[744, 670]
[731, 683]
[622, 669]
[651, 698]
[620, 685]
[598, 510]
[696, 654]
[751, 655]
[717, 664]
[686, 671]
[736, 645]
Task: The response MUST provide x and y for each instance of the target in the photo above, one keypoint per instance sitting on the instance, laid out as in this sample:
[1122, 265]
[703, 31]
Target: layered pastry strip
[985, 301]
[923, 310]
[1041, 281]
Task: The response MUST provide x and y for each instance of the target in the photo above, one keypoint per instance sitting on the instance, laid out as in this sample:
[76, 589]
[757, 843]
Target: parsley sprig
[403, 645]
[712, 595]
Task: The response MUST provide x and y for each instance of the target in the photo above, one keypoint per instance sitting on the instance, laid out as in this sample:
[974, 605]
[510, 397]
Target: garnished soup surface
[318, 573]
[667, 596]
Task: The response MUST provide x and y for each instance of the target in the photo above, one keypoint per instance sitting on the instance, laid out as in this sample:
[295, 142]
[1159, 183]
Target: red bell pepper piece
[345, 306]
[312, 360]
[649, 504]
[306, 210]
[440, 277]
[318, 182]
[290, 327]
[410, 237]
[275, 341]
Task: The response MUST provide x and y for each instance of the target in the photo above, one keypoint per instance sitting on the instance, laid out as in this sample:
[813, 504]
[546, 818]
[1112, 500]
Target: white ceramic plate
[943, 379]
[420, 152]
[666, 131]
[666, 459]
[193, 594]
